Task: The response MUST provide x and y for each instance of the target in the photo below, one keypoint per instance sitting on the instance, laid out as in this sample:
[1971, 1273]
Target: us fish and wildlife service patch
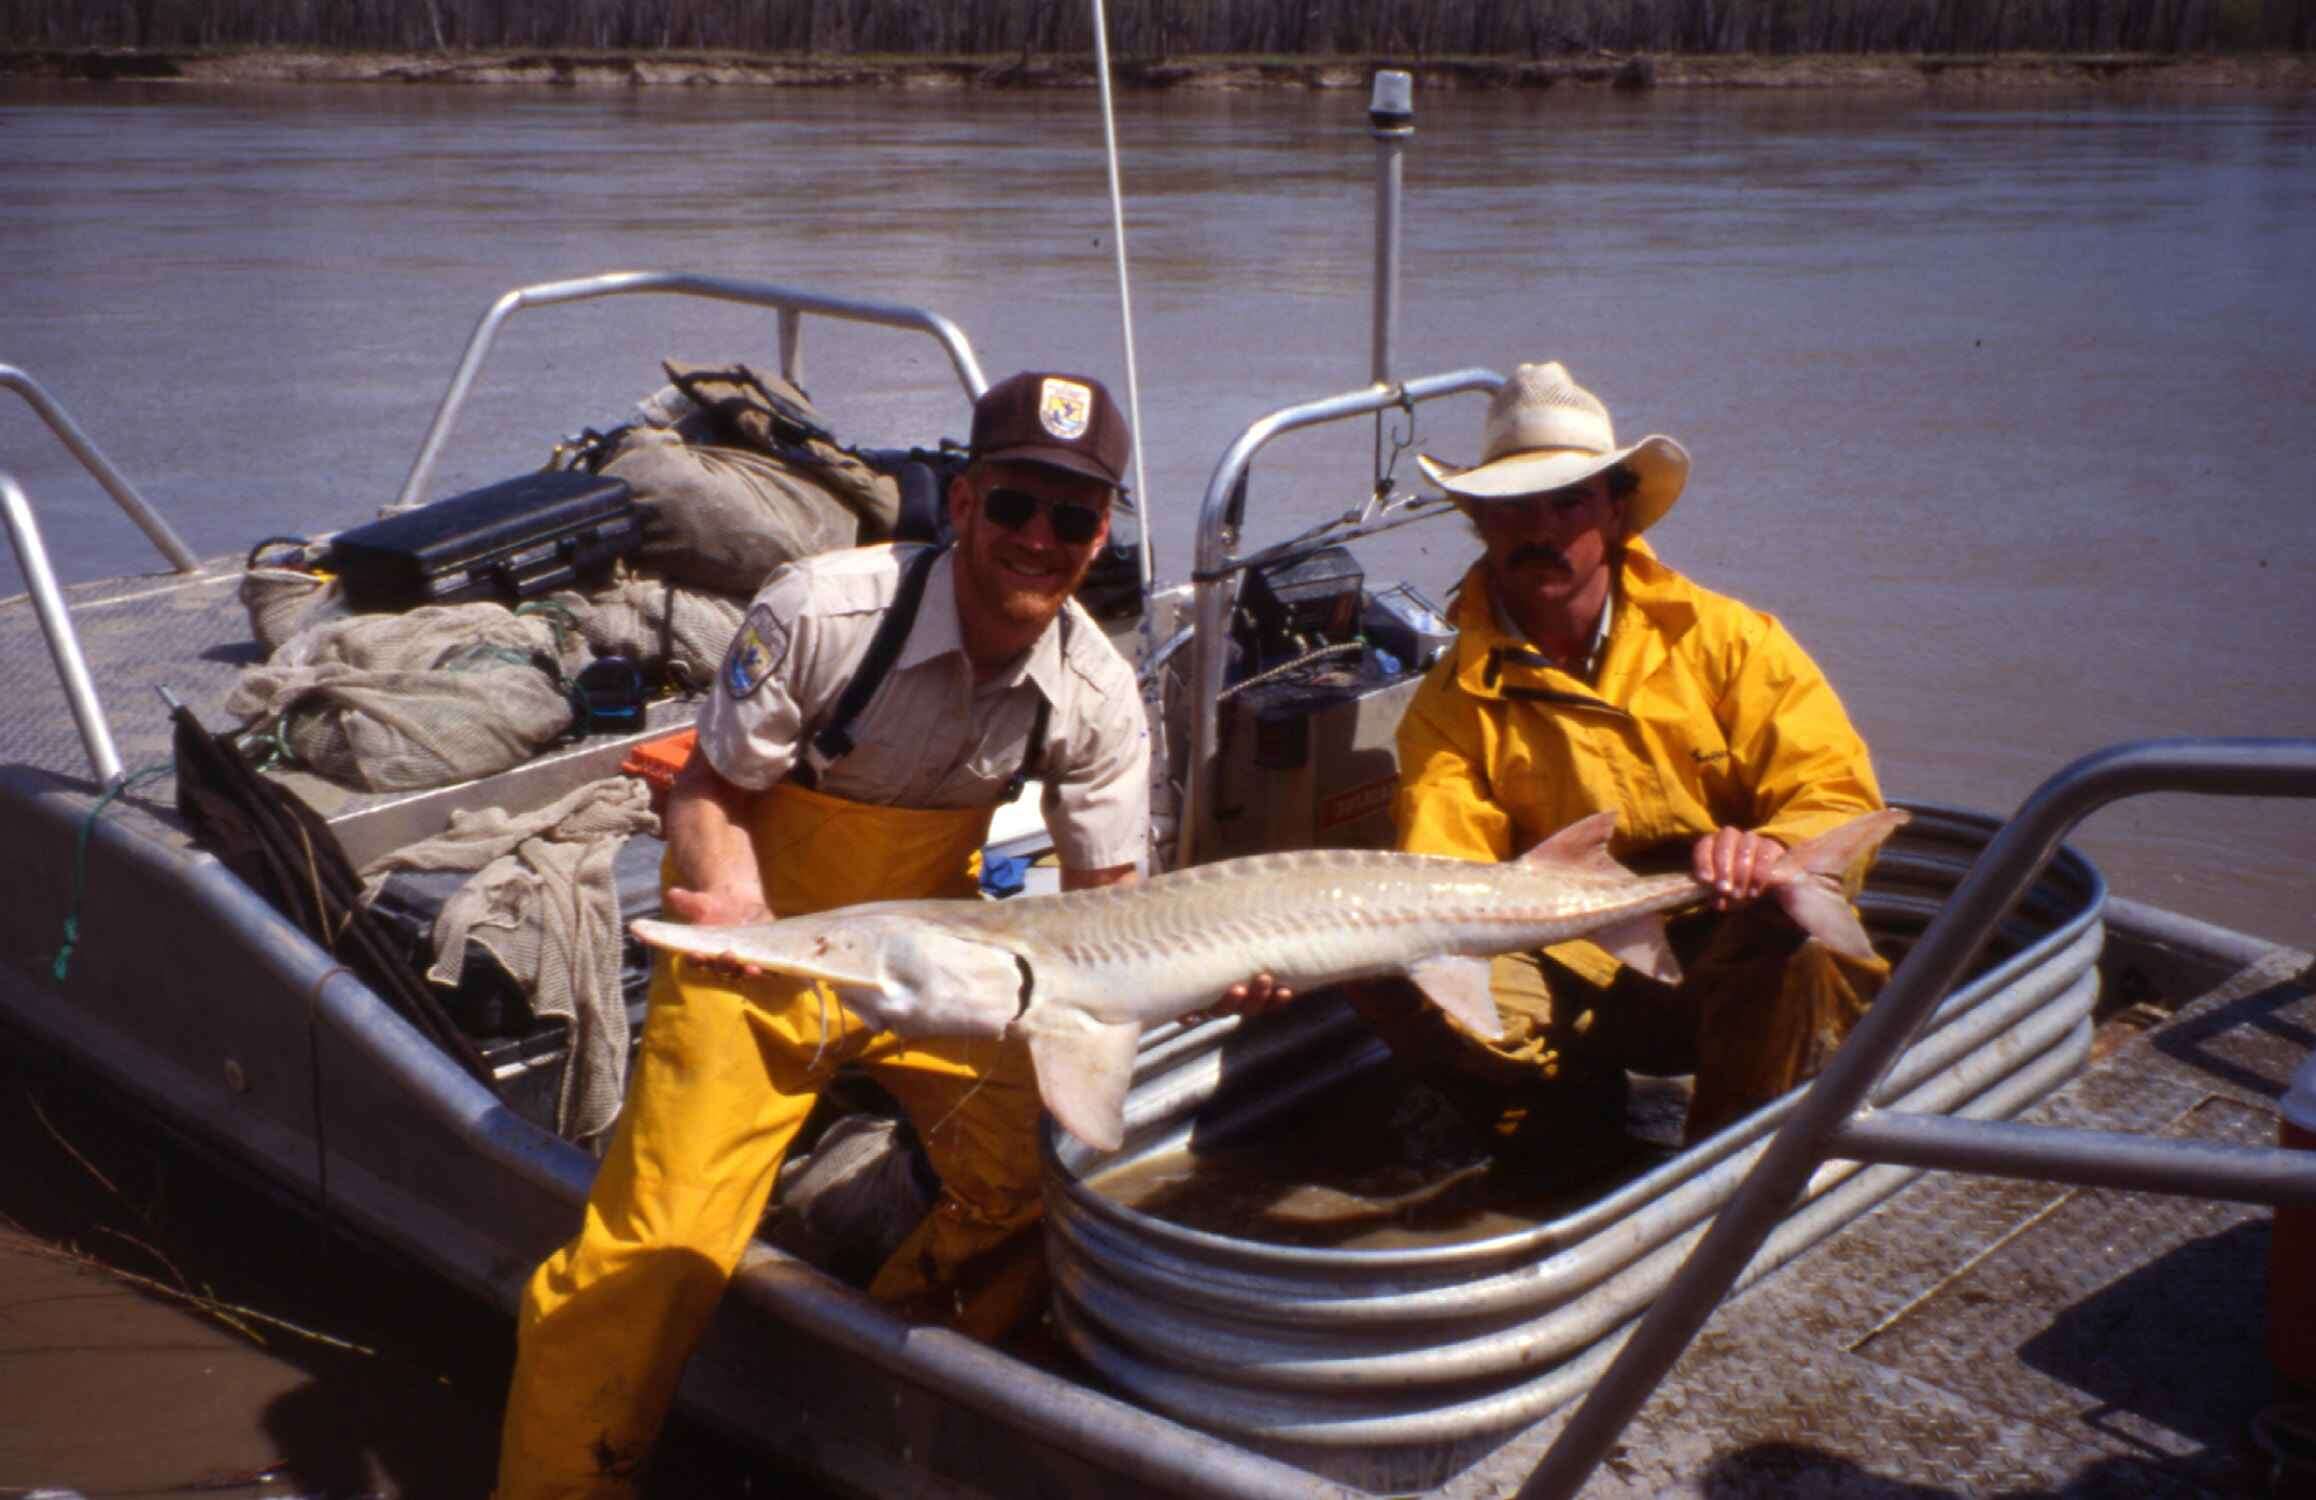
[1064, 407]
[752, 658]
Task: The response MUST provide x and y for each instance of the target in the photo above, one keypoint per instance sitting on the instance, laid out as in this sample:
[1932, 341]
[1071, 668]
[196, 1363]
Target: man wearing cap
[1588, 675]
[874, 709]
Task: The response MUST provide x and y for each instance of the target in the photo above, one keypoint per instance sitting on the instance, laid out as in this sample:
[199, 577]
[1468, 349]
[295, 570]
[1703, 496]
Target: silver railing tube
[1391, 120]
[1215, 579]
[2080, 1158]
[791, 303]
[2219, 767]
[124, 493]
[56, 624]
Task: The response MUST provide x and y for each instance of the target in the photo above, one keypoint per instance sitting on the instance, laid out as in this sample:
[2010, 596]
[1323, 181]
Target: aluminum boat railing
[792, 305]
[88, 713]
[1828, 1123]
[1219, 565]
[116, 484]
[40, 576]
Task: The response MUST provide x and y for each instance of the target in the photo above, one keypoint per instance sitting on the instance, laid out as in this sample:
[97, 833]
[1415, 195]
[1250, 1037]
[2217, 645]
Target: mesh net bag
[402, 702]
[544, 903]
[283, 594]
[678, 632]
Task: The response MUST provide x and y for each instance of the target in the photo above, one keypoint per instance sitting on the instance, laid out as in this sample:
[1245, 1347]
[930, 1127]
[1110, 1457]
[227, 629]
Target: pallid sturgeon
[1077, 976]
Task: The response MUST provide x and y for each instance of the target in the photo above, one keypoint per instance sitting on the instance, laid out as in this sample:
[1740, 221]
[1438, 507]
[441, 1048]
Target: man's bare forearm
[711, 856]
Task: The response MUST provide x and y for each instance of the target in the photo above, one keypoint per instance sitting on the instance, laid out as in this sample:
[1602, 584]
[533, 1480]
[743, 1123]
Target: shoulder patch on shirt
[755, 653]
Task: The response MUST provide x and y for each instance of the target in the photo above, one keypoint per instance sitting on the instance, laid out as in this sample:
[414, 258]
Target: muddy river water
[2003, 402]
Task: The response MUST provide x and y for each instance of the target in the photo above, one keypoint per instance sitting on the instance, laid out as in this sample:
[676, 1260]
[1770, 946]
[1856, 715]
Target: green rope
[558, 616]
[266, 745]
[80, 859]
[488, 657]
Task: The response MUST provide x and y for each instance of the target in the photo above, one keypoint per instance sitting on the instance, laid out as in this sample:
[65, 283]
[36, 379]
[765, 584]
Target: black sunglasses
[1073, 525]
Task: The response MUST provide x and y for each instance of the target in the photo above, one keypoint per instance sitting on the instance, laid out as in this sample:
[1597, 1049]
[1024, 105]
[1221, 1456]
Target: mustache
[1537, 552]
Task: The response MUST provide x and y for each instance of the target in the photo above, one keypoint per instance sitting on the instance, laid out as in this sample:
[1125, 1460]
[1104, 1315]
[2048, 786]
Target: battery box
[1297, 604]
[508, 542]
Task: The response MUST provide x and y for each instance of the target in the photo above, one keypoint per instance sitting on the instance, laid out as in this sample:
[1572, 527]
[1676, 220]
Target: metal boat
[1203, 1361]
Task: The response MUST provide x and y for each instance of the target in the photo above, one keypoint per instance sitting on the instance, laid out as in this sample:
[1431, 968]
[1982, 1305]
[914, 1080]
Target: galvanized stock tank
[1393, 1366]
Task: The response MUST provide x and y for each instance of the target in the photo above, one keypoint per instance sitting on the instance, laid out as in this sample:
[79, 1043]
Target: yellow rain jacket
[1704, 713]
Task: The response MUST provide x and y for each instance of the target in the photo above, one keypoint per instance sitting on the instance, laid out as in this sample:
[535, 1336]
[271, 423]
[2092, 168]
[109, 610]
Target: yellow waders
[1758, 1009]
[727, 1072]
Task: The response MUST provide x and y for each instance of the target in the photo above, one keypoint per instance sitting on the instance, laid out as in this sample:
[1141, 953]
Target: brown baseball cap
[1061, 421]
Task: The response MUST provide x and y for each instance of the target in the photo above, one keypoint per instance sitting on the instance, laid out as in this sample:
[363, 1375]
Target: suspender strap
[1032, 759]
[833, 740]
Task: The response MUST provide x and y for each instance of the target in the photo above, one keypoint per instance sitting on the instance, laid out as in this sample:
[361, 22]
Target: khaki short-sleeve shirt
[932, 737]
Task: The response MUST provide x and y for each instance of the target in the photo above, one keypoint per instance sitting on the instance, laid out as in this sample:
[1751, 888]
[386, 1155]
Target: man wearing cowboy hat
[1587, 675]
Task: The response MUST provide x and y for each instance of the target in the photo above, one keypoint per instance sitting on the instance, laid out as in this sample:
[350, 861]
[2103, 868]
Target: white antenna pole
[1153, 684]
[1391, 119]
[1125, 304]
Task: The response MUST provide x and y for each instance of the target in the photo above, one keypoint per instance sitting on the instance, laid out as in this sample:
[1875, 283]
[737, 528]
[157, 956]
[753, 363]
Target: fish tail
[1811, 880]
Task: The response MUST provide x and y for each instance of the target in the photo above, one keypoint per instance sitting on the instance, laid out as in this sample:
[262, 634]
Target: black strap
[833, 740]
[1032, 759]
[792, 426]
[299, 542]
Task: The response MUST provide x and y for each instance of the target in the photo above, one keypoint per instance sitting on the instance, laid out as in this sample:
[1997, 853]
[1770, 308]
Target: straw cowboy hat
[1545, 432]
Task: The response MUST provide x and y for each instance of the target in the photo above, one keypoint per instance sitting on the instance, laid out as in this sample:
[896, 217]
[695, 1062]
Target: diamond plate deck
[186, 633]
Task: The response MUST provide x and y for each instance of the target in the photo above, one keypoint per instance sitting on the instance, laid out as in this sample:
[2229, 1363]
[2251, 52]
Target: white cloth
[545, 905]
[931, 737]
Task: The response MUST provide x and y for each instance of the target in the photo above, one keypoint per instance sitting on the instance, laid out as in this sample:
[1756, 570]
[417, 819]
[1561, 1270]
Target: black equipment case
[509, 542]
[1297, 604]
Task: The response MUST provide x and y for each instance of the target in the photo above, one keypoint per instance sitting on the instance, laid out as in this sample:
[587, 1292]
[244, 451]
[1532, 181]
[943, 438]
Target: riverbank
[639, 69]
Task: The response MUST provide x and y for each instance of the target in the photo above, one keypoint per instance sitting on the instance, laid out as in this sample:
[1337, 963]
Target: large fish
[1078, 976]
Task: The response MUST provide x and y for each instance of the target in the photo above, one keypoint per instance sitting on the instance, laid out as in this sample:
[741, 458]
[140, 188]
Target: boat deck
[187, 633]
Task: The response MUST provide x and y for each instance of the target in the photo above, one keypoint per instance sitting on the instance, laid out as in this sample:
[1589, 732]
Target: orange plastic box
[657, 761]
